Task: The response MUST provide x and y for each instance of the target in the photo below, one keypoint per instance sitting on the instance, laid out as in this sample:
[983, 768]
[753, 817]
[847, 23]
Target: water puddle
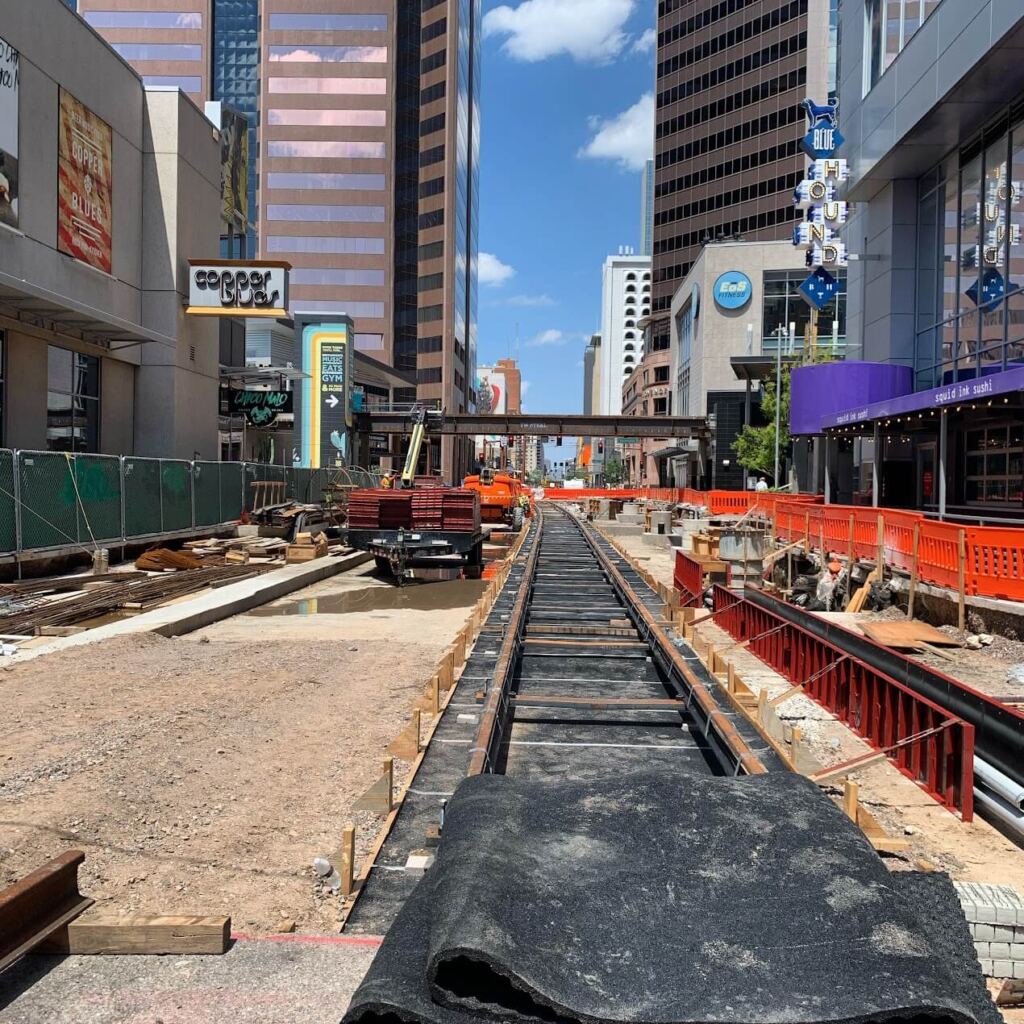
[421, 597]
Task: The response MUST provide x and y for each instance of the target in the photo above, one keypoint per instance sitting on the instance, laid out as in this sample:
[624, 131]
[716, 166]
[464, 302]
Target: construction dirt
[204, 774]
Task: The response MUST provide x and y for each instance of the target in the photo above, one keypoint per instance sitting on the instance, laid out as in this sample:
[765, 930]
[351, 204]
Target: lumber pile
[306, 548]
[237, 549]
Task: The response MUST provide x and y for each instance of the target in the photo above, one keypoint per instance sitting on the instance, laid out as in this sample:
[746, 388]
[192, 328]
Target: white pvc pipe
[1000, 784]
[995, 807]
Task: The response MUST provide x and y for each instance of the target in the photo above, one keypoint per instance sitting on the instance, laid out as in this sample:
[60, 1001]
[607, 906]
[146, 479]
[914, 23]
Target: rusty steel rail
[39, 905]
[927, 743]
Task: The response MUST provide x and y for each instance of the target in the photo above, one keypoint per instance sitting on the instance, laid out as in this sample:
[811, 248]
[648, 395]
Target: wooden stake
[348, 860]
[880, 566]
[762, 705]
[850, 800]
[435, 695]
[961, 609]
[389, 776]
[850, 558]
[913, 571]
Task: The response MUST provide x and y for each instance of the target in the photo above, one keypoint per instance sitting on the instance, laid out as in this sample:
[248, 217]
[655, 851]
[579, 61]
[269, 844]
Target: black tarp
[659, 899]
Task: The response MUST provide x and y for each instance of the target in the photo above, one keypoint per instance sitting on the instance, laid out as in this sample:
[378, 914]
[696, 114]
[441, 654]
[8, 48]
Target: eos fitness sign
[732, 290]
[824, 212]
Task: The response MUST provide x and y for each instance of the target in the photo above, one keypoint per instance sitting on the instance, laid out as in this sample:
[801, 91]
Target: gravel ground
[199, 775]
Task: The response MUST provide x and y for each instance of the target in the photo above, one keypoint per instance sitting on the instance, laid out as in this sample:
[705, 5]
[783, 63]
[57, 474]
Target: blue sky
[566, 121]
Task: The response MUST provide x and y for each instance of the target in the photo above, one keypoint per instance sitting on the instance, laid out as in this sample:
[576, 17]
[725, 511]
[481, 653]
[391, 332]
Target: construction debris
[306, 548]
[910, 635]
[164, 559]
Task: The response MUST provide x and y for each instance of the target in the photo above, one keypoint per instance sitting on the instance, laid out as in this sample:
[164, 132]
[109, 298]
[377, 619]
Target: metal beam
[540, 425]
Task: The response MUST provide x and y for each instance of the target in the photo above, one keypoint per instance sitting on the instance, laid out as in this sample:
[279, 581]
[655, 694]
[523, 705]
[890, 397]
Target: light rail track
[573, 676]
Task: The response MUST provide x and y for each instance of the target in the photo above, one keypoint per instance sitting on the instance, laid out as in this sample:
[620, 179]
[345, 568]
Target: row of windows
[434, 155]
[434, 187]
[433, 62]
[671, 6]
[327, 118]
[428, 314]
[328, 214]
[751, 62]
[729, 167]
[143, 19]
[330, 22]
[343, 182]
[748, 30]
[433, 30]
[186, 83]
[756, 190]
[430, 282]
[431, 251]
[159, 51]
[431, 219]
[326, 148]
[432, 124]
[730, 136]
[370, 310]
[329, 86]
[706, 17]
[427, 5]
[431, 344]
[300, 54]
[325, 244]
[727, 104]
[345, 278]
[429, 375]
[433, 92]
[742, 226]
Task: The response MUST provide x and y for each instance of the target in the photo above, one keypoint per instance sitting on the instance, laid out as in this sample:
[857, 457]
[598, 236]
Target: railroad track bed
[572, 677]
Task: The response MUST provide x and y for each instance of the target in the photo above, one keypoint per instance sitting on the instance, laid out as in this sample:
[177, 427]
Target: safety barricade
[928, 744]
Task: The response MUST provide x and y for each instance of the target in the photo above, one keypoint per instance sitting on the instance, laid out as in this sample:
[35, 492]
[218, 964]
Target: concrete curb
[204, 610]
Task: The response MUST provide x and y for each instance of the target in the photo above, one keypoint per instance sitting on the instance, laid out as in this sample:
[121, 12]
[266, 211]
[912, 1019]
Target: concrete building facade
[625, 301]
[365, 134]
[730, 78]
[932, 110]
[98, 353]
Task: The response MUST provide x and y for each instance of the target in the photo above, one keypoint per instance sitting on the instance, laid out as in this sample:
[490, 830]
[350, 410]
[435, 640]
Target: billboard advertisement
[84, 184]
[234, 168]
[491, 396]
[9, 84]
[325, 412]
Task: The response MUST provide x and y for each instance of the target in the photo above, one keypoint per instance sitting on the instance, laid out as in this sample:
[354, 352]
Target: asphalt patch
[659, 898]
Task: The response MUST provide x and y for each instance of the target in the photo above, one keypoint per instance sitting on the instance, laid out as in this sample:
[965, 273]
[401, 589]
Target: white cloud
[524, 387]
[492, 271]
[549, 337]
[646, 43]
[529, 301]
[627, 138]
[587, 30]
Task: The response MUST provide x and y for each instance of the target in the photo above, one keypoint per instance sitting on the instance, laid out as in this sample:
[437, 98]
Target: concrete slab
[284, 979]
[222, 603]
[656, 540]
[619, 529]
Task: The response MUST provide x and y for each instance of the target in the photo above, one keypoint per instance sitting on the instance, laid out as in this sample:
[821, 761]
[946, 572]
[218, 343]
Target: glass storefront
[783, 305]
[970, 261]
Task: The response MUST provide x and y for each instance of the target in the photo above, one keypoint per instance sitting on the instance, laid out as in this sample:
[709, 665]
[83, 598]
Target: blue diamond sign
[822, 140]
[819, 288]
[993, 288]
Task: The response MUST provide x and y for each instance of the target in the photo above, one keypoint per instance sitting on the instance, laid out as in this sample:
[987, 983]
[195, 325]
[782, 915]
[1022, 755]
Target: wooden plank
[913, 570]
[103, 933]
[348, 860]
[908, 634]
[962, 596]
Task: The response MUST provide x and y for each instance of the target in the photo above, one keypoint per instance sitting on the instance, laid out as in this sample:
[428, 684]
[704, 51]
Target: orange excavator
[503, 497]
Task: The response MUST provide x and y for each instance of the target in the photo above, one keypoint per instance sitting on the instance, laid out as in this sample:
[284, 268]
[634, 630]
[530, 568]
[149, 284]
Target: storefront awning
[37, 306]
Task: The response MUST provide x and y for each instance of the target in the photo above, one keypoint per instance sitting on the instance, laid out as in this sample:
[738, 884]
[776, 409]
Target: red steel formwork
[925, 742]
[688, 578]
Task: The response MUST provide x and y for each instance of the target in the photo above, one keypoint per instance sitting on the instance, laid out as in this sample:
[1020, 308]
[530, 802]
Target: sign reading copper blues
[260, 408]
[824, 212]
[732, 290]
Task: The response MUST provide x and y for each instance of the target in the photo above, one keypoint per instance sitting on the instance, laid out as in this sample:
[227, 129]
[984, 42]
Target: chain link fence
[58, 500]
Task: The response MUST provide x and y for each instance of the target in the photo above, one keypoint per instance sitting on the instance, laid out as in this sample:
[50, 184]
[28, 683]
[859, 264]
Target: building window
[370, 310]
[432, 124]
[433, 30]
[782, 305]
[321, 149]
[303, 54]
[431, 219]
[431, 344]
[72, 401]
[337, 278]
[431, 251]
[329, 86]
[159, 51]
[889, 25]
[434, 61]
[431, 93]
[330, 22]
[434, 155]
[342, 182]
[430, 282]
[186, 83]
[661, 406]
[328, 118]
[630, 311]
[428, 314]
[994, 465]
[661, 374]
[631, 276]
[429, 375]
[325, 243]
[327, 214]
[434, 187]
[143, 19]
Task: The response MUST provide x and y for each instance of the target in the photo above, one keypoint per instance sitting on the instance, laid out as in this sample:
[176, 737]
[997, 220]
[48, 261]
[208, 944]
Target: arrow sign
[332, 401]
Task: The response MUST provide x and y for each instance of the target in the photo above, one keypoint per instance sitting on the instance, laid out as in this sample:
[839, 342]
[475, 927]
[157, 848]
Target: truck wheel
[517, 517]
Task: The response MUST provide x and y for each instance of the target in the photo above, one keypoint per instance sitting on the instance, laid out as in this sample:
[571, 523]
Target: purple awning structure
[825, 395]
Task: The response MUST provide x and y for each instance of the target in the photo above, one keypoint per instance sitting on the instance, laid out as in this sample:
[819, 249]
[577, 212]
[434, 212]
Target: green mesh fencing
[141, 497]
[206, 485]
[49, 509]
[176, 494]
[8, 505]
[99, 494]
[230, 491]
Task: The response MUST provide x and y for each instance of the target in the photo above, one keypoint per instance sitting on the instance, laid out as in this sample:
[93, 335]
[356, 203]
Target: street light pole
[779, 331]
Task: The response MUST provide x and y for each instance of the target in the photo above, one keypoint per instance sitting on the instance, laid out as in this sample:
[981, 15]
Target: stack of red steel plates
[461, 510]
[379, 510]
[426, 508]
[395, 510]
[364, 510]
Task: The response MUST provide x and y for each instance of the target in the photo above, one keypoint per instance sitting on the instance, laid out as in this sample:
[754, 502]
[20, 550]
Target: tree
[613, 470]
[755, 446]
[535, 477]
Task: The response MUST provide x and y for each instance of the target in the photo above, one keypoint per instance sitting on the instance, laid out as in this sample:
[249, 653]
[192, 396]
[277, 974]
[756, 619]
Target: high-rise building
[625, 301]
[364, 141]
[730, 78]
[647, 209]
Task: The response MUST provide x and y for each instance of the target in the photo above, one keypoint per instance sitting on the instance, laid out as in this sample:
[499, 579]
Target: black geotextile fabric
[652, 899]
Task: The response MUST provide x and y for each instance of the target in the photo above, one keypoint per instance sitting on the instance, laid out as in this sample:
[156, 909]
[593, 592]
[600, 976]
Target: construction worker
[387, 481]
